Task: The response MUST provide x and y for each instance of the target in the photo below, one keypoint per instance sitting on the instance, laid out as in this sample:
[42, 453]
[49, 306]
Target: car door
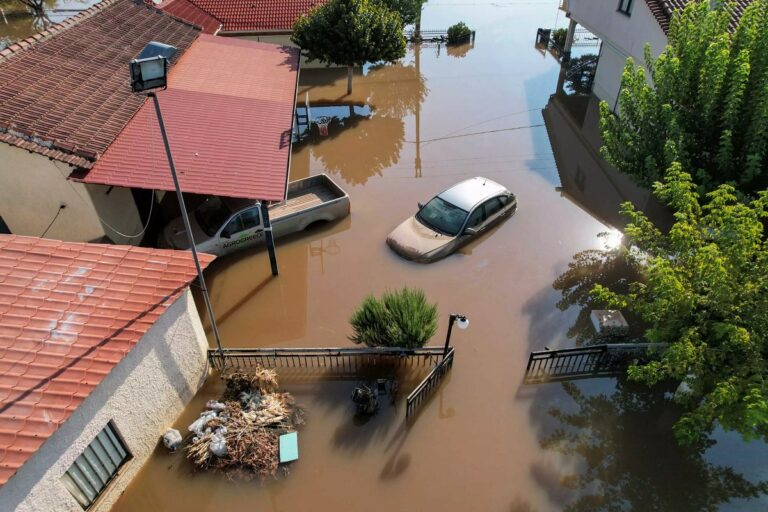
[494, 210]
[476, 218]
[243, 230]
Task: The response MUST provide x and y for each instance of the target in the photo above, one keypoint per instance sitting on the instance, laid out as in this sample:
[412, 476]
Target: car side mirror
[470, 231]
[421, 205]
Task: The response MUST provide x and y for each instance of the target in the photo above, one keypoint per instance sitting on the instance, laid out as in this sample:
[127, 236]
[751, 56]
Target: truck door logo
[241, 240]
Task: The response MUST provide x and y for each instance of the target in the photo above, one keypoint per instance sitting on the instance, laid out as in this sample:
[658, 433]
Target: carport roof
[70, 312]
[228, 111]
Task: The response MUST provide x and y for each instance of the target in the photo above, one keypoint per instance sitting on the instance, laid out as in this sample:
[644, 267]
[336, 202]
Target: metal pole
[269, 238]
[186, 225]
[451, 319]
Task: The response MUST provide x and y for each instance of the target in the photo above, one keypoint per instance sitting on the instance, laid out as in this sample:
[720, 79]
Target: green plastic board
[289, 447]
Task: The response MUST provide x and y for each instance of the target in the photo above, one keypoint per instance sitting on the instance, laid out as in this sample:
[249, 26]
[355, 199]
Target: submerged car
[451, 219]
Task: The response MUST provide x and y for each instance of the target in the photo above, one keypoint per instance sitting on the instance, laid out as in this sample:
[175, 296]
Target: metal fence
[342, 362]
[586, 362]
[428, 385]
[427, 36]
[347, 359]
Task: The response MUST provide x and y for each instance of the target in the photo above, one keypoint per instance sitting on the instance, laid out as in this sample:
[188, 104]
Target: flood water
[16, 23]
[485, 441]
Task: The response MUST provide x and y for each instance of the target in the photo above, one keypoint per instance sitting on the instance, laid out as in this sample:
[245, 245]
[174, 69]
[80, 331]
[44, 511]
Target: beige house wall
[32, 188]
[142, 396]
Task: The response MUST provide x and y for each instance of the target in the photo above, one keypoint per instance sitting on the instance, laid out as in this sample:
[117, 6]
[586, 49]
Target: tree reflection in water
[459, 51]
[631, 460]
[612, 268]
[395, 90]
[360, 146]
[370, 146]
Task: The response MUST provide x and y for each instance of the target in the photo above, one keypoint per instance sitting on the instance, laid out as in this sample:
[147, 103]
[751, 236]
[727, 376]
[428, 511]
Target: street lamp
[149, 72]
[463, 323]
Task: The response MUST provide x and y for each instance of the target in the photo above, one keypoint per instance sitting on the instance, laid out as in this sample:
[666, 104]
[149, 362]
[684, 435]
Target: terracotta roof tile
[67, 95]
[70, 312]
[228, 112]
[254, 15]
[189, 12]
[663, 10]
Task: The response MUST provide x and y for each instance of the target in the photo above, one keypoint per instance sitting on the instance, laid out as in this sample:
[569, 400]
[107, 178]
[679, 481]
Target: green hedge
[399, 319]
[458, 33]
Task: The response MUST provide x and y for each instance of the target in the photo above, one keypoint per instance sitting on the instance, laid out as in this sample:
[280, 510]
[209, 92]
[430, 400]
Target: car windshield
[442, 216]
[212, 214]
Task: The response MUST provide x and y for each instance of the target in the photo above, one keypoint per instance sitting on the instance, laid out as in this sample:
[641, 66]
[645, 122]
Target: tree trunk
[36, 7]
[349, 79]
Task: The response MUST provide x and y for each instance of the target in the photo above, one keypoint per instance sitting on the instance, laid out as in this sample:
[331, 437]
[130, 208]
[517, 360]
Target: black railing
[428, 385]
[347, 359]
[587, 362]
[432, 36]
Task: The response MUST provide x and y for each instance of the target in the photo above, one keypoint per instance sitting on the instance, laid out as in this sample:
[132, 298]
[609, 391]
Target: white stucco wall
[622, 36]
[32, 187]
[142, 396]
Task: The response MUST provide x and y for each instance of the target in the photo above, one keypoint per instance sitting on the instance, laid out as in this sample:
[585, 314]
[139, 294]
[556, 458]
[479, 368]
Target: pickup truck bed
[301, 200]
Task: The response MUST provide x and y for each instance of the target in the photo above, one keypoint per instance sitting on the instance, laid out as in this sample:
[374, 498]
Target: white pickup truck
[222, 225]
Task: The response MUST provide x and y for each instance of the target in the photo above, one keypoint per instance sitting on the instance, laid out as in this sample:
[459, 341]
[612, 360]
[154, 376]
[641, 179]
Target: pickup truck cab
[221, 225]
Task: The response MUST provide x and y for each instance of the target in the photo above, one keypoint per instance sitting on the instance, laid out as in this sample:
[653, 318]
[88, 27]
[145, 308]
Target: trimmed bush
[399, 319]
[458, 33]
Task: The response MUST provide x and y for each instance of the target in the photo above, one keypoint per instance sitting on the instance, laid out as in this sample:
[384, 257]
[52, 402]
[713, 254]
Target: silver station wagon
[451, 219]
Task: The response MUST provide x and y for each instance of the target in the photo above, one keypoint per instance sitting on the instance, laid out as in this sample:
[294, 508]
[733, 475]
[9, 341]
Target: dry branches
[243, 432]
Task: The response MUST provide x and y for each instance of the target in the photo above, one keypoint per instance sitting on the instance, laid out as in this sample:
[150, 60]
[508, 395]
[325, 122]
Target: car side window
[492, 207]
[476, 217]
[250, 218]
[233, 226]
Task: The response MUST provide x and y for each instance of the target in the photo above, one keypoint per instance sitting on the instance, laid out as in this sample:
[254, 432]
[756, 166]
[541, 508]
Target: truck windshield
[442, 216]
[211, 215]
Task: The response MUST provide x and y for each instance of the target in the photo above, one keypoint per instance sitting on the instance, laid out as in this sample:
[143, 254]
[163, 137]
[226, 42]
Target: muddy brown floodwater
[16, 23]
[484, 442]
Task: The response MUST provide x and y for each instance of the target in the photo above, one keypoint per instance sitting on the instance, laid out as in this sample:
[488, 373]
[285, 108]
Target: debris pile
[242, 430]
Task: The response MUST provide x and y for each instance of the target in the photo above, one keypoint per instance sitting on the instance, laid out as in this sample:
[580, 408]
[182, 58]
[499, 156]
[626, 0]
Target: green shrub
[458, 33]
[399, 319]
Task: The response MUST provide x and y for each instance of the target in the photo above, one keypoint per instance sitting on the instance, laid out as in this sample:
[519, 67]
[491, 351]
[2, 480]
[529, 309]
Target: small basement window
[92, 471]
[625, 7]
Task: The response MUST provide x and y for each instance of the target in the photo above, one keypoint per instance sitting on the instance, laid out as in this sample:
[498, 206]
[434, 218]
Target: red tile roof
[228, 111]
[65, 92]
[69, 313]
[189, 12]
[663, 9]
[255, 15]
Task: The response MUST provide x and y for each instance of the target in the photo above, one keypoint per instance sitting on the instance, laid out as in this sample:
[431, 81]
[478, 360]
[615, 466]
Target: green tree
[350, 33]
[707, 107]
[399, 319]
[703, 292]
[409, 10]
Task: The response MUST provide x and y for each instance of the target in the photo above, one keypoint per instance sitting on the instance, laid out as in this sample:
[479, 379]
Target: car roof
[471, 192]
